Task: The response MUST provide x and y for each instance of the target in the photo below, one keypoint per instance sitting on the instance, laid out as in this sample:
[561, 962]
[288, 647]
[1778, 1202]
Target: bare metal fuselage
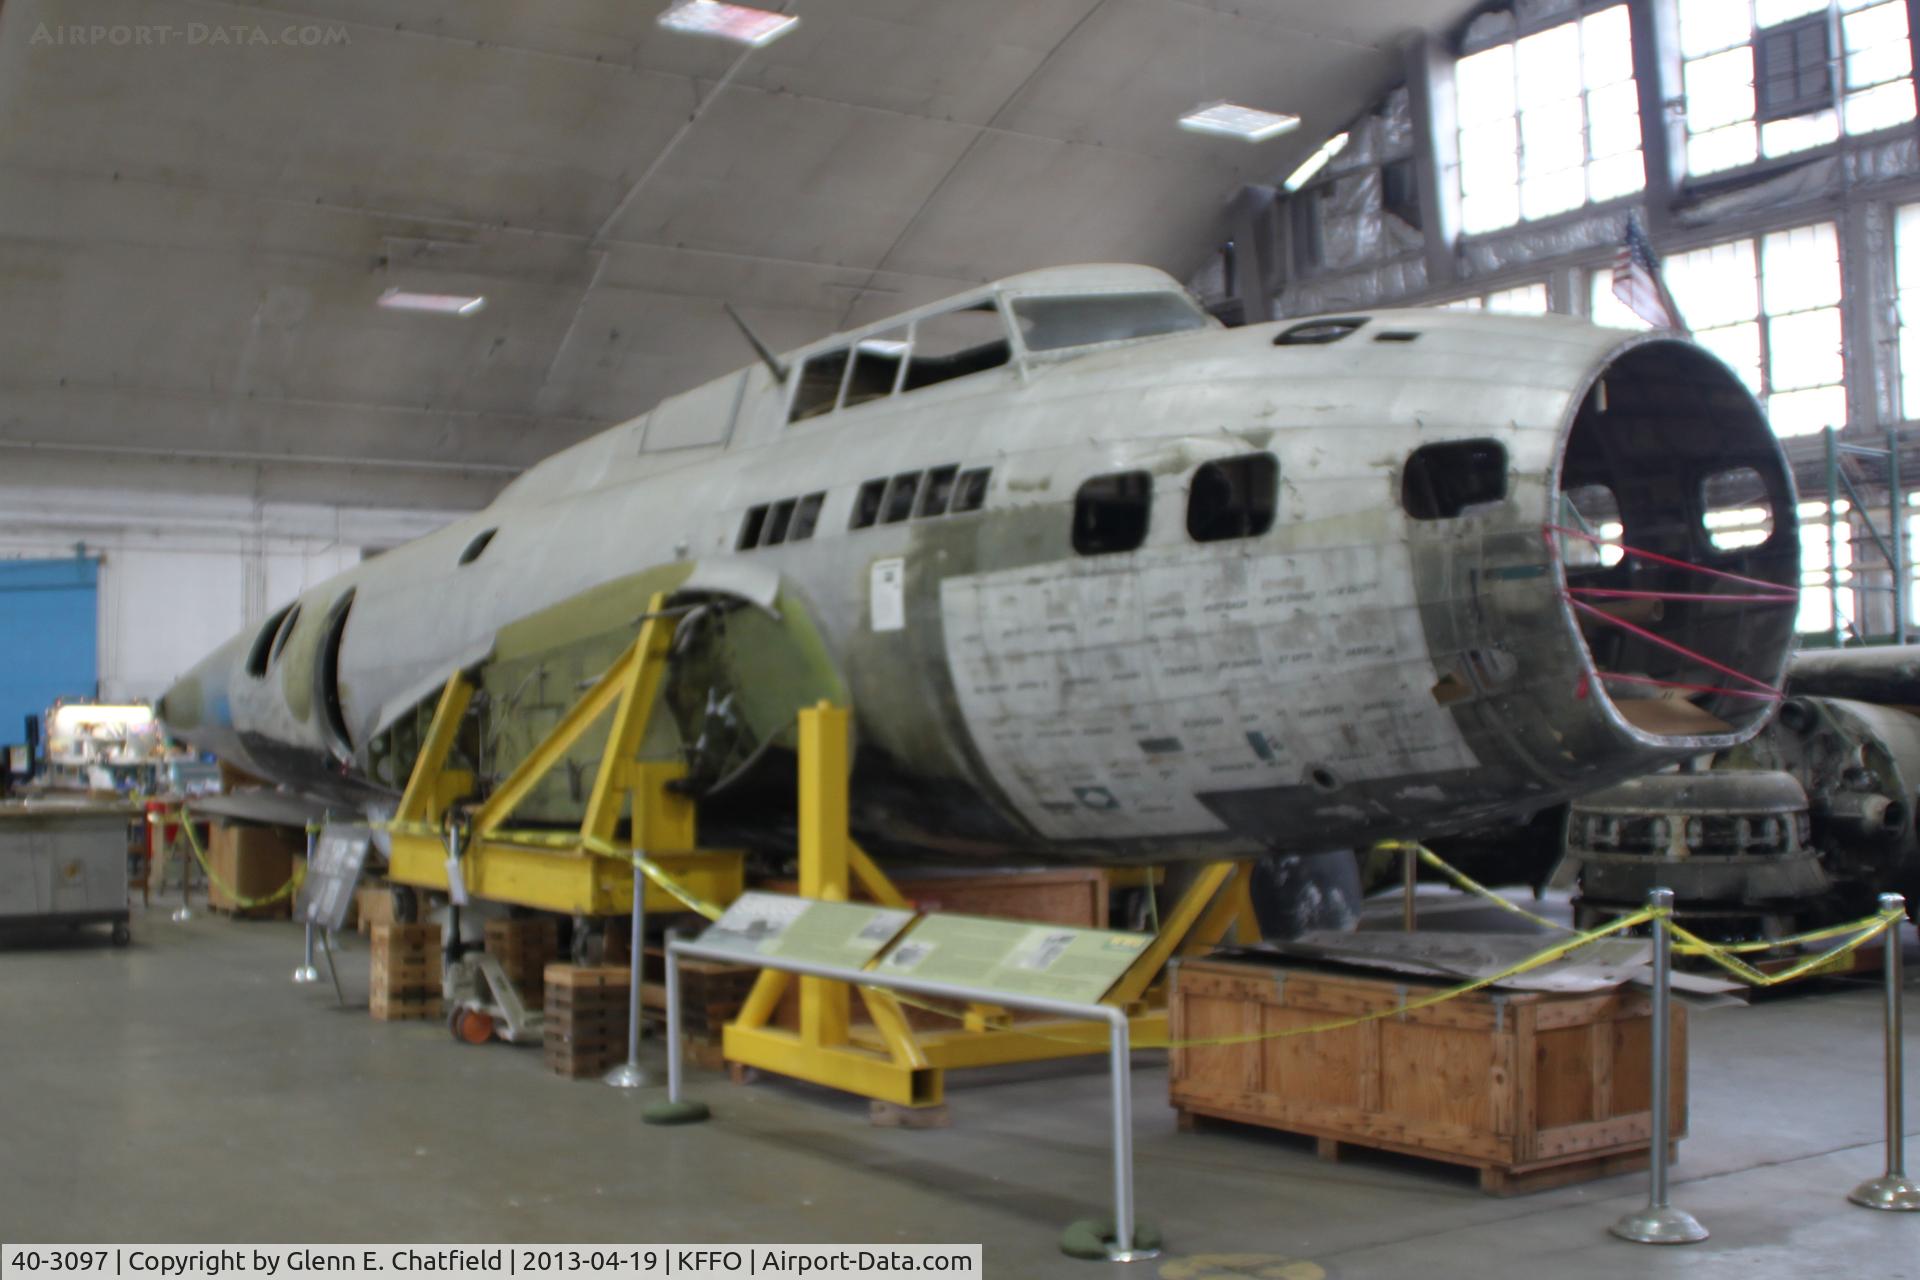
[1353, 672]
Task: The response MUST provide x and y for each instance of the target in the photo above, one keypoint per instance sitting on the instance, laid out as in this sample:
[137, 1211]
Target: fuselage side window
[819, 387]
[1233, 498]
[750, 528]
[900, 494]
[970, 492]
[1442, 481]
[953, 344]
[939, 490]
[866, 504]
[806, 517]
[779, 520]
[1111, 513]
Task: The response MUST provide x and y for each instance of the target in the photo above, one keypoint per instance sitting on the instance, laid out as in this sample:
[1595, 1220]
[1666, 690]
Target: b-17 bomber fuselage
[1102, 580]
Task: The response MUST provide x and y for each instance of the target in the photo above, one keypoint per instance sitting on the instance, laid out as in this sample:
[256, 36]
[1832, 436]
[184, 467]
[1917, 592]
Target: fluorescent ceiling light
[729, 21]
[1232, 121]
[446, 304]
[1317, 161]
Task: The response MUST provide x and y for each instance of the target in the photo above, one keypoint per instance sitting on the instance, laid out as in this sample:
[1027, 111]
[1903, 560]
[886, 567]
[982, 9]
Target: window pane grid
[1873, 68]
[1770, 308]
[1549, 122]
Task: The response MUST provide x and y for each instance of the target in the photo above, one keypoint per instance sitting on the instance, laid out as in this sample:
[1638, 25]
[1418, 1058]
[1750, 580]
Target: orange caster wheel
[470, 1026]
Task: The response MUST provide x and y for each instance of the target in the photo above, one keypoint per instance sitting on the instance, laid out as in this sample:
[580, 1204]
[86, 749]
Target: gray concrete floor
[183, 1090]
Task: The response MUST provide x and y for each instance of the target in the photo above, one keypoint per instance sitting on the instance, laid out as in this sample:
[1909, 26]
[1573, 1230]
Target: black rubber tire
[122, 933]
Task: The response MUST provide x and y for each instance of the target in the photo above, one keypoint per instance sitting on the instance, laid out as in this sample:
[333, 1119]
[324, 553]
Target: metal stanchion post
[1660, 1222]
[1893, 1189]
[307, 972]
[1124, 1247]
[628, 1074]
[185, 911]
[1410, 878]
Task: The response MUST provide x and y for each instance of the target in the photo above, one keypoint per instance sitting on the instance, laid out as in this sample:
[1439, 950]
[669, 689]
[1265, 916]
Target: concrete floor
[184, 1090]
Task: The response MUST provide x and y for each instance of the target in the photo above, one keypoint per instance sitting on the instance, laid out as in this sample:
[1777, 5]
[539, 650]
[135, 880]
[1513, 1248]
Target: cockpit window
[1049, 324]
[953, 344]
[819, 387]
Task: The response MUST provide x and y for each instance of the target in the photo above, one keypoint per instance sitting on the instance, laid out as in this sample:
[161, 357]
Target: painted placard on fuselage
[1056, 962]
[778, 925]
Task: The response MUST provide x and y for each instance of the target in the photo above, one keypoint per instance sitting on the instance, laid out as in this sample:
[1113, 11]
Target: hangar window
[1736, 508]
[779, 521]
[866, 504]
[1442, 481]
[898, 504]
[970, 493]
[1111, 513]
[1049, 324]
[818, 385]
[876, 368]
[478, 545]
[262, 650]
[939, 491]
[1548, 122]
[1771, 309]
[1764, 79]
[806, 517]
[1233, 498]
[750, 528]
[954, 344]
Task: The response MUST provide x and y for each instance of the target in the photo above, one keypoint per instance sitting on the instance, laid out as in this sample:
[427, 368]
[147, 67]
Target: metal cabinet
[63, 865]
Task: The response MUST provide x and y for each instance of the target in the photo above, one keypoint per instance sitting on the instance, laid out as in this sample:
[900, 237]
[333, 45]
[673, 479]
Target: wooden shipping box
[255, 861]
[1533, 1089]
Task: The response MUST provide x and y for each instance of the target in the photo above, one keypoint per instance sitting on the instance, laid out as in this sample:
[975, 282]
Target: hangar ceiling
[202, 201]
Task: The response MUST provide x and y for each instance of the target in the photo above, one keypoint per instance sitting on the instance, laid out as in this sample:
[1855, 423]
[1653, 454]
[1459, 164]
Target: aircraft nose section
[1675, 546]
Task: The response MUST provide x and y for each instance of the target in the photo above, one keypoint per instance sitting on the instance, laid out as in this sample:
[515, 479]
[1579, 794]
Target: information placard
[777, 924]
[338, 858]
[1055, 962]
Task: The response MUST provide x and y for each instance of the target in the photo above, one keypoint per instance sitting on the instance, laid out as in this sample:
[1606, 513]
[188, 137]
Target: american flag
[1637, 282]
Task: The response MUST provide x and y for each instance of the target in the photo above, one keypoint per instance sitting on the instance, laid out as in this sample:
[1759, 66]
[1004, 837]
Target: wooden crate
[255, 861]
[1533, 1090]
[405, 1006]
[585, 1031]
[404, 972]
[524, 949]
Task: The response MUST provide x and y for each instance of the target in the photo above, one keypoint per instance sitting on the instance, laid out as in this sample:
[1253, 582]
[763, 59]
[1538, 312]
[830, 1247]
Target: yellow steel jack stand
[891, 1061]
[581, 872]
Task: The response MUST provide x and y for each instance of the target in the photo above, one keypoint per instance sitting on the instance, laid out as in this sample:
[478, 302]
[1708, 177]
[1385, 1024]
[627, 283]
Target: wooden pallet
[1534, 1090]
[524, 949]
[585, 1031]
[404, 973]
[414, 1005]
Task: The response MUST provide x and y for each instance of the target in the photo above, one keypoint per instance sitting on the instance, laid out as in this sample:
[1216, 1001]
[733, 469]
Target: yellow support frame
[891, 1061]
[581, 872]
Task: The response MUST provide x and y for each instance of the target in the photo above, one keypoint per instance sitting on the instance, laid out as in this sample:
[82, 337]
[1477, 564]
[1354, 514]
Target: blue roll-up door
[48, 628]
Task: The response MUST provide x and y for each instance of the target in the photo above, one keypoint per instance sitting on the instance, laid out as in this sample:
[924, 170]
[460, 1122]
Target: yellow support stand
[579, 872]
[890, 1061]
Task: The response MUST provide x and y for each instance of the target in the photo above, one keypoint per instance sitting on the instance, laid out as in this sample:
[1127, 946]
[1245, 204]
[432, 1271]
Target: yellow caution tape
[185, 820]
[1694, 946]
[1871, 928]
[1535, 961]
